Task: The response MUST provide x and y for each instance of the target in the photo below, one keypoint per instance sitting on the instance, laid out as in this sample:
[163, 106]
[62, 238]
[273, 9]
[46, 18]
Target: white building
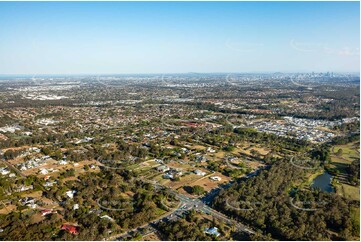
[70, 194]
[215, 178]
[199, 172]
[63, 162]
[162, 168]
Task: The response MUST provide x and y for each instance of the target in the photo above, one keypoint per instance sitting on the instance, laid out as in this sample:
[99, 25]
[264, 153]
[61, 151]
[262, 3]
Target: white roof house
[212, 231]
[49, 184]
[215, 178]
[4, 171]
[163, 168]
[199, 172]
[43, 171]
[210, 150]
[70, 194]
[25, 188]
[63, 162]
[168, 176]
[107, 217]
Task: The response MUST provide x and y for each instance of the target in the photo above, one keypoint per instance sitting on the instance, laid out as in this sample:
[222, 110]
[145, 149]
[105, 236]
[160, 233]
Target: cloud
[346, 51]
[323, 48]
[306, 46]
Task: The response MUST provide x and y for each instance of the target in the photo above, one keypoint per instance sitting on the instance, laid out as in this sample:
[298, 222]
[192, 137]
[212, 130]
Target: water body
[323, 182]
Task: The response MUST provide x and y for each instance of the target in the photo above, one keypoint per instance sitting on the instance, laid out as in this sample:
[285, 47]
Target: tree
[198, 190]
[339, 152]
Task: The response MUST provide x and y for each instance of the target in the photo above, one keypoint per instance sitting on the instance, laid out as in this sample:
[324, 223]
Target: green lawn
[349, 153]
[348, 191]
[341, 163]
[355, 216]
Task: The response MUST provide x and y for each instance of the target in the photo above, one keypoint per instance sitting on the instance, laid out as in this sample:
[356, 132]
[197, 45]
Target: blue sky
[177, 37]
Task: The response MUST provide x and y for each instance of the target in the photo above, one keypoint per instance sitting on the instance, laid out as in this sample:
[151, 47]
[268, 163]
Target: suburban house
[162, 168]
[46, 212]
[24, 188]
[199, 172]
[70, 194]
[168, 176]
[107, 217]
[215, 178]
[212, 231]
[200, 158]
[70, 228]
[29, 201]
[63, 162]
[43, 171]
[172, 173]
[4, 171]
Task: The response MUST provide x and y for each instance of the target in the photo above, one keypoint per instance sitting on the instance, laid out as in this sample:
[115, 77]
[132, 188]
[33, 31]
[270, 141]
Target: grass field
[247, 150]
[350, 152]
[177, 165]
[348, 191]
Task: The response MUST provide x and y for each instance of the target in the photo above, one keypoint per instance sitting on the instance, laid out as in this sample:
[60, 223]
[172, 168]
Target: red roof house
[70, 228]
[46, 212]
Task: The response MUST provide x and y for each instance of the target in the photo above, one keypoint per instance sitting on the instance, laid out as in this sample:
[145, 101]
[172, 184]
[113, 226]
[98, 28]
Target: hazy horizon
[31, 75]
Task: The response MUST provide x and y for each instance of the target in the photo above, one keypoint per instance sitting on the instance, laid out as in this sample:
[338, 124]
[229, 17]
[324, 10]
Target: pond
[323, 182]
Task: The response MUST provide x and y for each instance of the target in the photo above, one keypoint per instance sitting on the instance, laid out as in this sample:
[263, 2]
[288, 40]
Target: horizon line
[180, 73]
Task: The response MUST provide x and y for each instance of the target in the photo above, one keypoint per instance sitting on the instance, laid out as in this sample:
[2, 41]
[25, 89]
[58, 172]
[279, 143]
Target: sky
[178, 37]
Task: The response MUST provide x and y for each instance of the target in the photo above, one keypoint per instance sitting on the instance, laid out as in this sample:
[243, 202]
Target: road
[13, 168]
[201, 205]
[186, 204]
[145, 227]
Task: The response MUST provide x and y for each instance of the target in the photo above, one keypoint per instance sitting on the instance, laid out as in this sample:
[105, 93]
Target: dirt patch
[16, 148]
[36, 218]
[8, 209]
[209, 184]
[152, 237]
[184, 181]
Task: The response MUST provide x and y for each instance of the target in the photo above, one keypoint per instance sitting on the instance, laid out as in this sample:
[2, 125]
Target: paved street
[186, 204]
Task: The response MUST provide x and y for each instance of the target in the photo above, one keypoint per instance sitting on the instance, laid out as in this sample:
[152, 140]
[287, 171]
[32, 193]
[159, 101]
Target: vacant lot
[209, 184]
[7, 209]
[181, 165]
[184, 181]
[151, 237]
[247, 149]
